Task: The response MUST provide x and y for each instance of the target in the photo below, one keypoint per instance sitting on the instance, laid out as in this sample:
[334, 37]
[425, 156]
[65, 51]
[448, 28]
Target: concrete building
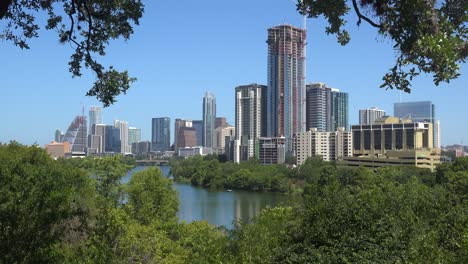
[437, 137]
[286, 82]
[57, 150]
[185, 135]
[271, 150]
[209, 120]
[393, 141]
[95, 116]
[369, 115]
[125, 147]
[250, 119]
[97, 139]
[328, 145]
[76, 135]
[221, 134]
[221, 122]
[160, 134]
[141, 149]
[326, 108]
[193, 151]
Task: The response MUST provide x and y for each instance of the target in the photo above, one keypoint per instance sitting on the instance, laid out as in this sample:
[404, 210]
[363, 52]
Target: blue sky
[184, 48]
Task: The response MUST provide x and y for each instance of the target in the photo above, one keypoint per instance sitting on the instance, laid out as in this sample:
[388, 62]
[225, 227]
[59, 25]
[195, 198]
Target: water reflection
[218, 207]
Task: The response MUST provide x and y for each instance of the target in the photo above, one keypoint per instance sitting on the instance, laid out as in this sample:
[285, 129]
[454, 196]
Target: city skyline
[241, 42]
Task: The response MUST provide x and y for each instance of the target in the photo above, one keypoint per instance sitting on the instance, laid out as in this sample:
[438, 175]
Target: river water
[219, 208]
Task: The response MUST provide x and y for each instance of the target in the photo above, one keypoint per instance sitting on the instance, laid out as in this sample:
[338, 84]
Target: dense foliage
[77, 211]
[209, 172]
[428, 36]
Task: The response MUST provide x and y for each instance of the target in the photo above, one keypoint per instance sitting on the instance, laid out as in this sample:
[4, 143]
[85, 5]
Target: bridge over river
[154, 162]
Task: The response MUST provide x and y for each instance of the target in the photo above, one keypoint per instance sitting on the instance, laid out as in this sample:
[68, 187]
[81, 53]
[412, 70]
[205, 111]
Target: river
[220, 208]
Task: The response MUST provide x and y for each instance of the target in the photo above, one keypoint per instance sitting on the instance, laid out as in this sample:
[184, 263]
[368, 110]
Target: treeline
[73, 211]
[209, 172]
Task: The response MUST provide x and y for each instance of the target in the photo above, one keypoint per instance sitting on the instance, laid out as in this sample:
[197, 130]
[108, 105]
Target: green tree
[429, 36]
[88, 26]
[42, 202]
[151, 197]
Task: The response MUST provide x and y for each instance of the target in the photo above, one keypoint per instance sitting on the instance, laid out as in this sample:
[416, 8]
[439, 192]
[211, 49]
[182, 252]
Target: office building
[393, 141]
[271, 150]
[286, 82]
[134, 135]
[209, 120]
[327, 108]
[141, 149]
[369, 115]
[57, 150]
[221, 122]
[221, 134]
[59, 136]
[437, 143]
[95, 116]
[125, 147]
[423, 111]
[97, 139]
[76, 134]
[112, 143]
[250, 119]
[160, 134]
[194, 151]
[328, 145]
[185, 135]
[198, 126]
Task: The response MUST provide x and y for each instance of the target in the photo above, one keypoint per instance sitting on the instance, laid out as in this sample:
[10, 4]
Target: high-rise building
[59, 136]
[57, 150]
[286, 82]
[250, 119]
[185, 135]
[125, 147]
[95, 116]
[329, 145]
[271, 150]
[141, 149]
[209, 117]
[423, 111]
[220, 122]
[437, 143]
[369, 115]
[77, 134]
[134, 135]
[327, 108]
[393, 141]
[198, 126]
[221, 134]
[112, 143]
[160, 134]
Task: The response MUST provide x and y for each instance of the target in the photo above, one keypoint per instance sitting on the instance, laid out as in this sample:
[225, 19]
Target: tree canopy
[429, 36]
[87, 25]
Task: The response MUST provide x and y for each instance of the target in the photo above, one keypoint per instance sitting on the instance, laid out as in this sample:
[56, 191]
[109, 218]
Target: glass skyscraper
[95, 116]
[160, 134]
[327, 108]
[423, 111]
[286, 82]
[77, 134]
[209, 120]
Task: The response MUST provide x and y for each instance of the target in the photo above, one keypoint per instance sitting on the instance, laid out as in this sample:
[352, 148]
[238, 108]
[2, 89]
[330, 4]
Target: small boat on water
[229, 190]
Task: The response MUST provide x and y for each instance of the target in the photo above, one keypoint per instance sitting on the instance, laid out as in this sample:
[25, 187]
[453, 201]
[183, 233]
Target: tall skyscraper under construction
[286, 82]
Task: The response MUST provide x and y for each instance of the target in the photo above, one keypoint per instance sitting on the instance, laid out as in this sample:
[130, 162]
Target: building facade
[370, 115]
[422, 111]
[437, 138]
[160, 134]
[286, 82]
[209, 120]
[271, 150]
[125, 147]
[95, 116]
[250, 119]
[326, 108]
[76, 134]
[185, 135]
[141, 149]
[328, 145]
[134, 135]
[59, 136]
[57, 150]
[394, 141]
[221, 134]
[112, 139]
[198, 126]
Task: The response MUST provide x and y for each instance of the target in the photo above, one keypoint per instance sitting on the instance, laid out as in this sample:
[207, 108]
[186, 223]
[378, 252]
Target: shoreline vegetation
[72, 211]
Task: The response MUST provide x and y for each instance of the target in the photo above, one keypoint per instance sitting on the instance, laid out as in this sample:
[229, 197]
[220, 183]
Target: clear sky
[184, 48]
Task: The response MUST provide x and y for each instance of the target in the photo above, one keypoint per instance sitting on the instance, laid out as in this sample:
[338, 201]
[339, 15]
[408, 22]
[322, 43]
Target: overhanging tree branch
[362, 17]
[4, 4]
